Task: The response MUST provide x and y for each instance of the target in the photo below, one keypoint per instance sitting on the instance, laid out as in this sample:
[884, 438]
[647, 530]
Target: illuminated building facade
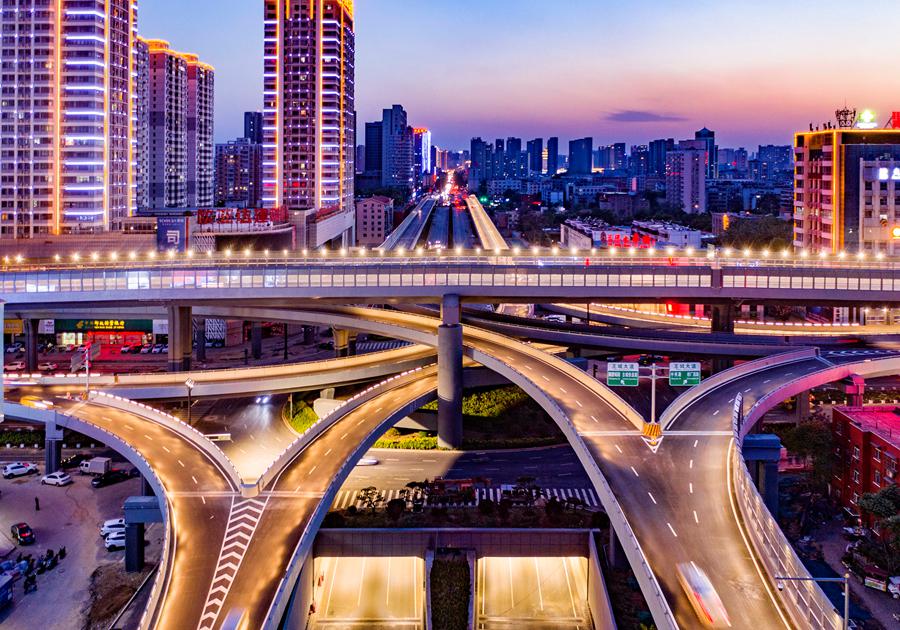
[847, 191]
[308, 117]
[66, 116]
[180, 111]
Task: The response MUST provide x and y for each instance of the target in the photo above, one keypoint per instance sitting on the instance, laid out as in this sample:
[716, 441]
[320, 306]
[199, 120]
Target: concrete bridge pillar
[180, 334]
[256, 340]
[138, 511]
[722, 317]
[450, 374]
[344, 342]
[31, 344]
[53, 437]
[134, 547]
[309, 335]
[762, 451]
[802, 405]
[855, 389]
[615, 553]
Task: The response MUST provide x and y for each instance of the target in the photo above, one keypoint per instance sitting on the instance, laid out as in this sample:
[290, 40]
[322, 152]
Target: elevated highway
[488, 234]
[407, 235]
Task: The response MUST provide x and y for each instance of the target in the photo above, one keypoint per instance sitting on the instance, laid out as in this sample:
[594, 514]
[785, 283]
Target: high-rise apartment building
[552, 155]
[141, 140]
[67, 100]
[712, 158]
[308, 117]
[686, 178]
[238, 167]
[847, 190]
[253, 127]
[396, 149]
[581, 156]
[373, 149]
[656, 164]
[535, 149]
[199, 129]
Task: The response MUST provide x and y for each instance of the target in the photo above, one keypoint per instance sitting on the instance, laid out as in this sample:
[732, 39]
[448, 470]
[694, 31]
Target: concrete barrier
[724, 377]
[183, 429]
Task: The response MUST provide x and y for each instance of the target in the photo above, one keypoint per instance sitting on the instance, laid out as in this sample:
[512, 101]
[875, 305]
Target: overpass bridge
[488, 234]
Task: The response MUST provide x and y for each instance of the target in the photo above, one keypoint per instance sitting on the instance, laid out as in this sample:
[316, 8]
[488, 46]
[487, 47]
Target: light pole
[189, 383]
[845, 580]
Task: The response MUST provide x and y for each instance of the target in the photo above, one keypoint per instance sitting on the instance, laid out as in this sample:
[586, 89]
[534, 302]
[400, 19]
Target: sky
[619, 71]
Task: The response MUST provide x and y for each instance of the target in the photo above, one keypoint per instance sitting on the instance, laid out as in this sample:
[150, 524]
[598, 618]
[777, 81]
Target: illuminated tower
[308, 117]
[66, 116]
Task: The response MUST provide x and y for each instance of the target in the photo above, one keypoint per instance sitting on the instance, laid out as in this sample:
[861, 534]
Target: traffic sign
[684, 374]
[622, 374]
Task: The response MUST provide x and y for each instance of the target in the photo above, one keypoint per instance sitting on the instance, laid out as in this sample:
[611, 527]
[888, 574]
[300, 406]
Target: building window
[876, 478]
[855, 476]
[855, 498]
[855, 452]
[876, 454]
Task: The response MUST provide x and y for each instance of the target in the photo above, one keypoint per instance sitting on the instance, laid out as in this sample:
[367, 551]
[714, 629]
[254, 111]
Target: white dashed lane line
[635, 472]
[652, 498]
[672, 529]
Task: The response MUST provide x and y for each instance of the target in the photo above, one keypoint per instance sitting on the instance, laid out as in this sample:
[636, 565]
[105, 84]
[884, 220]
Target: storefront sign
[107, 325]
[13, 326]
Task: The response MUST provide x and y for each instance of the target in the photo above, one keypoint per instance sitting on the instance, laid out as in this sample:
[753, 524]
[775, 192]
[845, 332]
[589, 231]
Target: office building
[639, 160]
[308, 118]
[360, 165]
[512, 163]
[657, 150]
[253, 127]
[422, 153]
[181, 96]
[397, 160]
[238, 174]
[552, 155]
[66, 138]
[773, 160]
[535, 151]
[867, 447]
[480, 154]
[374, 220]
[686, 177]
[373, 149]
[708, 137]
[581, 156]
[847, 190]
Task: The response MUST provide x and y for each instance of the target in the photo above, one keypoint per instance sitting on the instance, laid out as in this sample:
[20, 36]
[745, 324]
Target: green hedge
[450, 593]
[304, 416]
[489, 403]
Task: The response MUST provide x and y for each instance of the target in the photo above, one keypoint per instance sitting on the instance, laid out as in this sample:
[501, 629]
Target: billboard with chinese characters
[227, 216]
[171, 233]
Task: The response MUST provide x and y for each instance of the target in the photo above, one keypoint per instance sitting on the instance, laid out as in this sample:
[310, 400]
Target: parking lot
[532, 593]
[69, 516]
[371, 593]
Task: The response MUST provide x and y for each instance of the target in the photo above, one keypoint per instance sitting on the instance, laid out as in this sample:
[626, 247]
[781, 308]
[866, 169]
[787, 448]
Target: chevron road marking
[346, 498]
[243, 519]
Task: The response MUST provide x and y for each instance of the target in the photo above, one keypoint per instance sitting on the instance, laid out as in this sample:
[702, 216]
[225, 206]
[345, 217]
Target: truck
[95, 466]
[6, 590]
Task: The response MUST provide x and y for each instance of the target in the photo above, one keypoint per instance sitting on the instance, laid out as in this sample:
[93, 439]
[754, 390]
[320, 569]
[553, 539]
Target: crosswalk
[346, 498]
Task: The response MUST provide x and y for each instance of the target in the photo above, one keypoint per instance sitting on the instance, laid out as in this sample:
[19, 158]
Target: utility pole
[653, 377]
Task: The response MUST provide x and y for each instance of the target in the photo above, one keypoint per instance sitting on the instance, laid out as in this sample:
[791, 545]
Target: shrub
[450, 593]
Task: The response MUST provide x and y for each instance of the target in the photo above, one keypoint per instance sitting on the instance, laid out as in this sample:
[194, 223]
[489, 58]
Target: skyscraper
[141, 140]
[657, 156]
[712, 151]
[422, 150]
[535, 150]
[253, 127]
[237, 177]
[686, 177]
[373, 149]
[396, 149]
[75, 172]
[181, 95]
[552, 155]
[581, 156]
[308, 117]
[511, 158]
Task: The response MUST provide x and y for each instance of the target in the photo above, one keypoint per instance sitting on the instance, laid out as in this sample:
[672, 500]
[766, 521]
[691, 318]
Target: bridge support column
[855, 389]
[341, 338]
[180, 333]
[134, 547]
[200, 339]
[722, 317]
[803, 406]
[762, 452]
[309, 335]
[450, 374]
[52, 455]
[256, 340]
[615, 553]
[31, 344]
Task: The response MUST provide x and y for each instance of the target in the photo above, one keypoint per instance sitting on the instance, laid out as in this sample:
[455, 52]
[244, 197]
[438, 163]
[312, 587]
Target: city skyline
[667, 73]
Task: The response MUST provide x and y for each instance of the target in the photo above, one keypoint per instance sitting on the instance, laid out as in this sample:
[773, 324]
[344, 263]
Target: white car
[111, 526]
[59, 478]
[18, 469]
[116, 540]
[14, 366]
[367, 461]
[47, 367]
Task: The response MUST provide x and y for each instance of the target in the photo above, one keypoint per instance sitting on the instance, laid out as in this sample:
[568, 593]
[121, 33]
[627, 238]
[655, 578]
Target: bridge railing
[692, 395]
[805, 602]
[183, 429]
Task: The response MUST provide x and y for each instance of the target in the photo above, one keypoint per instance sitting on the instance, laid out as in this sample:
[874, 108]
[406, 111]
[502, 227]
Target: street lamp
[189, 383]
[845, 580]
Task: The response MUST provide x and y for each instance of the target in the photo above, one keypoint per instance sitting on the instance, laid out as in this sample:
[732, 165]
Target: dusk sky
[618, 71]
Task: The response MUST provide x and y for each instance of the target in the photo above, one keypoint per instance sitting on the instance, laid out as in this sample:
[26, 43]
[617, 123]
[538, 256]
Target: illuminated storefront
[104, 331]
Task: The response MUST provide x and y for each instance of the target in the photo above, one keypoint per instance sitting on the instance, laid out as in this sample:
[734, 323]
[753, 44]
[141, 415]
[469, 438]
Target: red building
[867, 446]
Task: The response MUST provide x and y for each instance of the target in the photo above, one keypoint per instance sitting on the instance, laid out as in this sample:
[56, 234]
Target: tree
[763, 233]
[503, 509]
[553, 509]
[487, 507]
[395, 509]
[884, 505]
[370, 497]
[813, 439]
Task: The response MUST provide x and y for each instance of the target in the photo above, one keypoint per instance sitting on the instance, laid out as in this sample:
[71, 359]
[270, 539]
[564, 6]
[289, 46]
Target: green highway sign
[622, 374]
[684, 374]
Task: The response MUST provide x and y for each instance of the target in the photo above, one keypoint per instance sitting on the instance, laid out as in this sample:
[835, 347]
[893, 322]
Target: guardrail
[137, 458]
[326, 422]
[183, 429]
[805, 602]
[724, 377]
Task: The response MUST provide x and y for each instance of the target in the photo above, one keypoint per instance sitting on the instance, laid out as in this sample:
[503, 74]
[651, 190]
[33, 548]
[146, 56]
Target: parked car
[19, 469]
[59, 478]
[156, 349]
[125, 349]
[74, 460]
[47, 366]
[115, 540]
[22, 534]
[14, 366]
[136, 348]
[108, 478]
[112, 525]
[14, 348]
[146, 348]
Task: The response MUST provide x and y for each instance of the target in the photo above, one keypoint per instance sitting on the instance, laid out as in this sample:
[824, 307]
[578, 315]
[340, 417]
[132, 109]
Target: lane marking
[166, 450]
[343, 436]
[672, 529]
[716, 412]
[563, 390]
[652, 498]
[578, 402]
[195, 480]
[617, 448]
[594, 419]
[635, 472]
[691, 464]
[327, 452]
[696, 520]
[691, 487]
[181, 463]
[312, 470]
[148, 437]
[695, 443]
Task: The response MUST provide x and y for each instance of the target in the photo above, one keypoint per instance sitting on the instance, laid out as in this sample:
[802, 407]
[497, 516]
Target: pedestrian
[37, 505]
